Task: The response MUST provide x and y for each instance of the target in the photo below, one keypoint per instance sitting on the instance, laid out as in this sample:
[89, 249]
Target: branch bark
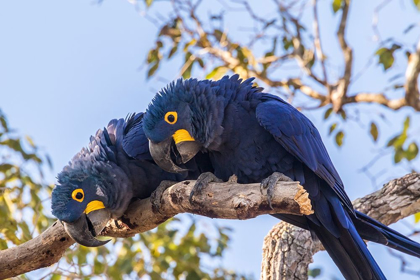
[288, 250]
[412, 95]
[228, 200]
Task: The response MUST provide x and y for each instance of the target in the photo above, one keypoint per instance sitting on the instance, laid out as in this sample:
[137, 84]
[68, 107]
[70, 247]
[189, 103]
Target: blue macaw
[261, 138]
[101, 180]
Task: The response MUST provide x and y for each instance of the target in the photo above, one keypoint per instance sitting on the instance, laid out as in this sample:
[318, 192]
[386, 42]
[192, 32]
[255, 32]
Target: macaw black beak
[188, 150]
[84, 229]
[161, 152]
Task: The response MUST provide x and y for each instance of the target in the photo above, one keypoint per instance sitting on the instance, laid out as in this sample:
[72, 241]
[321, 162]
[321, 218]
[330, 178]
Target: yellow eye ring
[171, 117]
[78, 195]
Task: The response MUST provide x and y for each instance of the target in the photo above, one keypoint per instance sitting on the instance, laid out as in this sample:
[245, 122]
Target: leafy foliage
[168, 252]
[286, 38]
[22, 188]
[386, 56]
[398, 141]
[314, 273]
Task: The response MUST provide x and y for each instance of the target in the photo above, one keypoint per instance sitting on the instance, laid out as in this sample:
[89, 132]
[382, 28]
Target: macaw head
[181, 120]
[91, 190]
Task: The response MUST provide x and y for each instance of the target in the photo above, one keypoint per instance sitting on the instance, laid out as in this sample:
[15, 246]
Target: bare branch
[317, 42]
[398, 199]
[231, 62]
[379, 98]
[411, 83]
[339, 94]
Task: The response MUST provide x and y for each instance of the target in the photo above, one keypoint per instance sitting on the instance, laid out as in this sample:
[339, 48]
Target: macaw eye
[78, 195]
[171, 117]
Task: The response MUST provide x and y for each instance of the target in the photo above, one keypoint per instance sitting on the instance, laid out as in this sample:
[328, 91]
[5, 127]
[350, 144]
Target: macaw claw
[203, 181]
[270, 182]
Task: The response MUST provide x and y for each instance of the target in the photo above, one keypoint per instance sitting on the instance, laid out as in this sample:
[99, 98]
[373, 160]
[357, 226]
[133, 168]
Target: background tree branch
[288, 250]
[282, 45]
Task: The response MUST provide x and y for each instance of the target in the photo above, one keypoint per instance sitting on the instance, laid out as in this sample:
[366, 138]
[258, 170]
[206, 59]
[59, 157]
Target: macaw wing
[298, 136]
[135, 142]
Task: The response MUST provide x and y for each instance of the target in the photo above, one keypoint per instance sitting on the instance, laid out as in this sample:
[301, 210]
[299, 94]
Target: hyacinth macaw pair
[212, 130]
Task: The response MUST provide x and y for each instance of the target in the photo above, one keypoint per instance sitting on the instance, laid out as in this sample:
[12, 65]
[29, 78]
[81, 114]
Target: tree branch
[412, 96]
[283, 253]
[379, 98]
[219, 200]
[317, 41]
[340, 92]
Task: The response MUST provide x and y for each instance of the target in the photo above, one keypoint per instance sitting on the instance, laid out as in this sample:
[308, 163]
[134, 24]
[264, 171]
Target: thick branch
[379, 98]
[317, 42]
[340, 93]
[219, 200]
[412, 96]
[398, 199]
[231, 62]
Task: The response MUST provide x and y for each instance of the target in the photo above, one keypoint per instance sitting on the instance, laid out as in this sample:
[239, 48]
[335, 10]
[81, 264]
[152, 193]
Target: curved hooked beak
[185, 144]
[88, 226]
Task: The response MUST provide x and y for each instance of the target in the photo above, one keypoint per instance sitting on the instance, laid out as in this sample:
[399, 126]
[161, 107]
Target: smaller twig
[317, 42]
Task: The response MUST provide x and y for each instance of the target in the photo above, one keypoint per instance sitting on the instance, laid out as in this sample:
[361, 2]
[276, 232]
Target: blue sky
[67, 67]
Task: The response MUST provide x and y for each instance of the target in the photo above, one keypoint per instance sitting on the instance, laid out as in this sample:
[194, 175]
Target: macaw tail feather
[348, 251]
[372, 230]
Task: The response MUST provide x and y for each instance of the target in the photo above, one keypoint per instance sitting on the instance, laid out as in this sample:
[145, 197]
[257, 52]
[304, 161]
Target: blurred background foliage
[290, 38]
[287, 54]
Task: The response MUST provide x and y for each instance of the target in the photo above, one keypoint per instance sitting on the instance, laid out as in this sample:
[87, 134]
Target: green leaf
[386, 56]
[148, 2]
[343, 115]
[187, 73]
[55, 277]
[417, 4]
[339, 138]
[3, 244]
[399, 155]
[190, 43]
[287, 43]
[173, 50]
[152, 70]
[217, 73]
[3, 123]
[314, 272]
[392, 141]
[328, 113]
[374, 131]
[30, 141]
[200, 62]
[412, 151]
[336, 5]
[406, 124]
[400, 140]
[332, 128]
[417, 218]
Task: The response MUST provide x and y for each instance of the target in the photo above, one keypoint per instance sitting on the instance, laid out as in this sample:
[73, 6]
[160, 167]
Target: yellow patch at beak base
[182, 135]
[94, 205]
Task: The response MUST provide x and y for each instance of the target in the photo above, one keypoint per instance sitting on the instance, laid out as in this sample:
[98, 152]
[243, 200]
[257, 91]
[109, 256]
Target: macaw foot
[203, 181]
[270, 182]
[157, 194]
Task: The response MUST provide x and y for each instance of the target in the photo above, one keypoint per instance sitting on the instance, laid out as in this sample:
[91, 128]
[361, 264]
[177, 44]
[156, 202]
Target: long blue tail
[333, 226]
[372, 230]
[349, 252]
